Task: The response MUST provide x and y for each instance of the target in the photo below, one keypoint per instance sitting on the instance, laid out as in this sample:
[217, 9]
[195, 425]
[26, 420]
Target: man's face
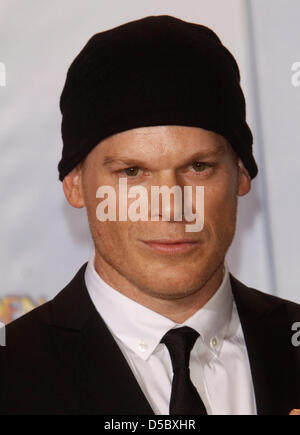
[157, 156]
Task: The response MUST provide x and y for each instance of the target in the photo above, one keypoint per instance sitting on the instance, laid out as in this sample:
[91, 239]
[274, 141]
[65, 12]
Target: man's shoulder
[29, 330]
[37, 366]
[61, 310]
[261, 300]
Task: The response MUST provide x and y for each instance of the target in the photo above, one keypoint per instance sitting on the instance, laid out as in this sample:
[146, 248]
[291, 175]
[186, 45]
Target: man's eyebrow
[204, 154]
[127, 160]
[124, 160]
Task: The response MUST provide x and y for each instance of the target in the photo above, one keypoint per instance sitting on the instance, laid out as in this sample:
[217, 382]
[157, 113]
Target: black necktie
[185, 399]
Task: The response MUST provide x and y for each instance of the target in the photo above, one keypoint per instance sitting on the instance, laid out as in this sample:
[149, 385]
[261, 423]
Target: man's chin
[176, 280]
[172, 287]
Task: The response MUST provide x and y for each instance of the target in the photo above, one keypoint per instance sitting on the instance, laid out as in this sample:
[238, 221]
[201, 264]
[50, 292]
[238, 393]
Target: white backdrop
[43, 239]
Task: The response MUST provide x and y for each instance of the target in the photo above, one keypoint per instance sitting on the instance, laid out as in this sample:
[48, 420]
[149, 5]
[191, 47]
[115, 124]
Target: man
[154, 322]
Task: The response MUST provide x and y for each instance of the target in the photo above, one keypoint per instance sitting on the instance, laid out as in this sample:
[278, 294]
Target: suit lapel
[267, 335]
[104, 381]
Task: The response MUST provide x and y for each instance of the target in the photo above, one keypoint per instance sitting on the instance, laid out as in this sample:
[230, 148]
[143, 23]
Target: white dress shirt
[219, 365]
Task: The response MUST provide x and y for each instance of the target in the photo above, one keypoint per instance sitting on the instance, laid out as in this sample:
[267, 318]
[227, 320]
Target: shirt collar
[141, 329]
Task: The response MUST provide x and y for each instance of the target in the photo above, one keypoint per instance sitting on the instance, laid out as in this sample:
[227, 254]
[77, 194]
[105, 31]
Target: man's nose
[169, 206]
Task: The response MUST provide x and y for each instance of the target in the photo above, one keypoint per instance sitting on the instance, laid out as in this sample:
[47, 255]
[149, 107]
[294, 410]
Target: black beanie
[158, 70]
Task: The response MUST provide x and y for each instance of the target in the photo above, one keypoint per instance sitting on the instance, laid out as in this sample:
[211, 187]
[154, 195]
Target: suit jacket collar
[107, 385]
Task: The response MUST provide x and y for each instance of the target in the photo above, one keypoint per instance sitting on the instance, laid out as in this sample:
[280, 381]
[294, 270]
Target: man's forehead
[160, 136]
[131, 154]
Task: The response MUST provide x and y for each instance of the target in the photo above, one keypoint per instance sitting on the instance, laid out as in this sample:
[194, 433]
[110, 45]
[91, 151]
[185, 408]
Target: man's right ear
[72, 186]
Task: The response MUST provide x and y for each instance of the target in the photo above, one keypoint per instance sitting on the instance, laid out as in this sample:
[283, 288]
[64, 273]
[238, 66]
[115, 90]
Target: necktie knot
[180, 342]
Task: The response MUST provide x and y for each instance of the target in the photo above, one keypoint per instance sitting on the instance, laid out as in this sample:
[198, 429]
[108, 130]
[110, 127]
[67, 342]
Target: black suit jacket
[60, 358]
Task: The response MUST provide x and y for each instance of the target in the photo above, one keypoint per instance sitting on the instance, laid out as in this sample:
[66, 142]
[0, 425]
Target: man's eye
[131, 172]
[200, 166]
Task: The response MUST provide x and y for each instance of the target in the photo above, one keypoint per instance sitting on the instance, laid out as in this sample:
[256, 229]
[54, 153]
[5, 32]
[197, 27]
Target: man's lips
[166, 246]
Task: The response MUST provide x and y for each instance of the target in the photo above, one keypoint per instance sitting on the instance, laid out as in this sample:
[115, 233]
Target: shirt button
[214, 342]
[143, 346]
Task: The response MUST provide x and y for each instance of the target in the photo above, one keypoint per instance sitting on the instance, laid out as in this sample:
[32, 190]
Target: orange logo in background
[12, 307]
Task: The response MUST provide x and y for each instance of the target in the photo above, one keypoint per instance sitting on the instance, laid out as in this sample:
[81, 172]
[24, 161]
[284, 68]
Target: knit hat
[158, 70]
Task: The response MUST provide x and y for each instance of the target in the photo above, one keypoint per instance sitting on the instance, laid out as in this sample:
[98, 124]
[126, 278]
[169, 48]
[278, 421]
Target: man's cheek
[108, 236]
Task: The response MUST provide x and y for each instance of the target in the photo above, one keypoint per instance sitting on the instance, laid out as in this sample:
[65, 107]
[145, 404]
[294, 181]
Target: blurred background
[44, 240]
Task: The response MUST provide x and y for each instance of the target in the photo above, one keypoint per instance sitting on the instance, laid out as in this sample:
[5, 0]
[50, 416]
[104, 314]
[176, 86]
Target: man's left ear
[72, 186]
[244, 180]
